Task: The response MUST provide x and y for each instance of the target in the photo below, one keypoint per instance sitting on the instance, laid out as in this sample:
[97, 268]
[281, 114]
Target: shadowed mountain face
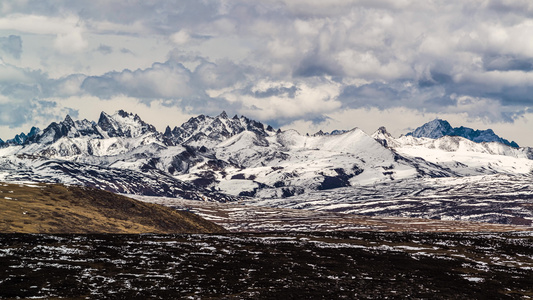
[439, 128]
[56, 208]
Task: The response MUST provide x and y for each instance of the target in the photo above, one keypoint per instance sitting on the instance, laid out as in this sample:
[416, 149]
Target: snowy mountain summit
[439, 128]
[209, 131]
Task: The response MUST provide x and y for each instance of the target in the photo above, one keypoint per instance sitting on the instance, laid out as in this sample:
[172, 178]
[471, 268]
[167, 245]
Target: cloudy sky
[306, 65]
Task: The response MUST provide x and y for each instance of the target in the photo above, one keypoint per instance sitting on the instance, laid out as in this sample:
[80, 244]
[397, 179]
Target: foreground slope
[42, 208]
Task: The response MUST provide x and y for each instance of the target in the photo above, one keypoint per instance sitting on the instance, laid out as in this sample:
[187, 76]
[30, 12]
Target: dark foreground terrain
[345, 265]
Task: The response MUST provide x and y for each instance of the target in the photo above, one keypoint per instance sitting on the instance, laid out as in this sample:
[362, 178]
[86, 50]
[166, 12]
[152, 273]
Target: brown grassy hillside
[54, 208]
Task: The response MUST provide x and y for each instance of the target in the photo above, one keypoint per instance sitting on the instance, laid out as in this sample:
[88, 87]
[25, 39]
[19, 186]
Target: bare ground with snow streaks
[341, 265]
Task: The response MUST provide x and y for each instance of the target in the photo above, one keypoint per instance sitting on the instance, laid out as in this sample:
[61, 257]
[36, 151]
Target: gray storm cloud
[473, 57]
[11, 45]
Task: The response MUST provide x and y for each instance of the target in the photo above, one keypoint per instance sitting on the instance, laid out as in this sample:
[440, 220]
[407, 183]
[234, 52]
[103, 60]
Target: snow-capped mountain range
[439, 128]
[227, 159]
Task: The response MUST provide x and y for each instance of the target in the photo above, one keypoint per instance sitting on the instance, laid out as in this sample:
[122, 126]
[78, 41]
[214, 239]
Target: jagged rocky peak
[319, 133]
[168, 132]
[338, 131]
[67, 128]
[434, 129]
[168, 137]
[22, 138]
[252, 125]
[135, 117]
[55, 131]
[223, 115]
[205, 130]
[199, 131]
[382, 130]
[87, 128]
[19, 139]
[439, 128]
[124, 124]
[50, 134]
[34, 131]
[384, 137]
[121, 124]
[68, 121]
[107, 124]
[334, 132]
[124, 114]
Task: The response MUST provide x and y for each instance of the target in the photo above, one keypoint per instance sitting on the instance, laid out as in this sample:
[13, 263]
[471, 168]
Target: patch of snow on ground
[237, 186]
